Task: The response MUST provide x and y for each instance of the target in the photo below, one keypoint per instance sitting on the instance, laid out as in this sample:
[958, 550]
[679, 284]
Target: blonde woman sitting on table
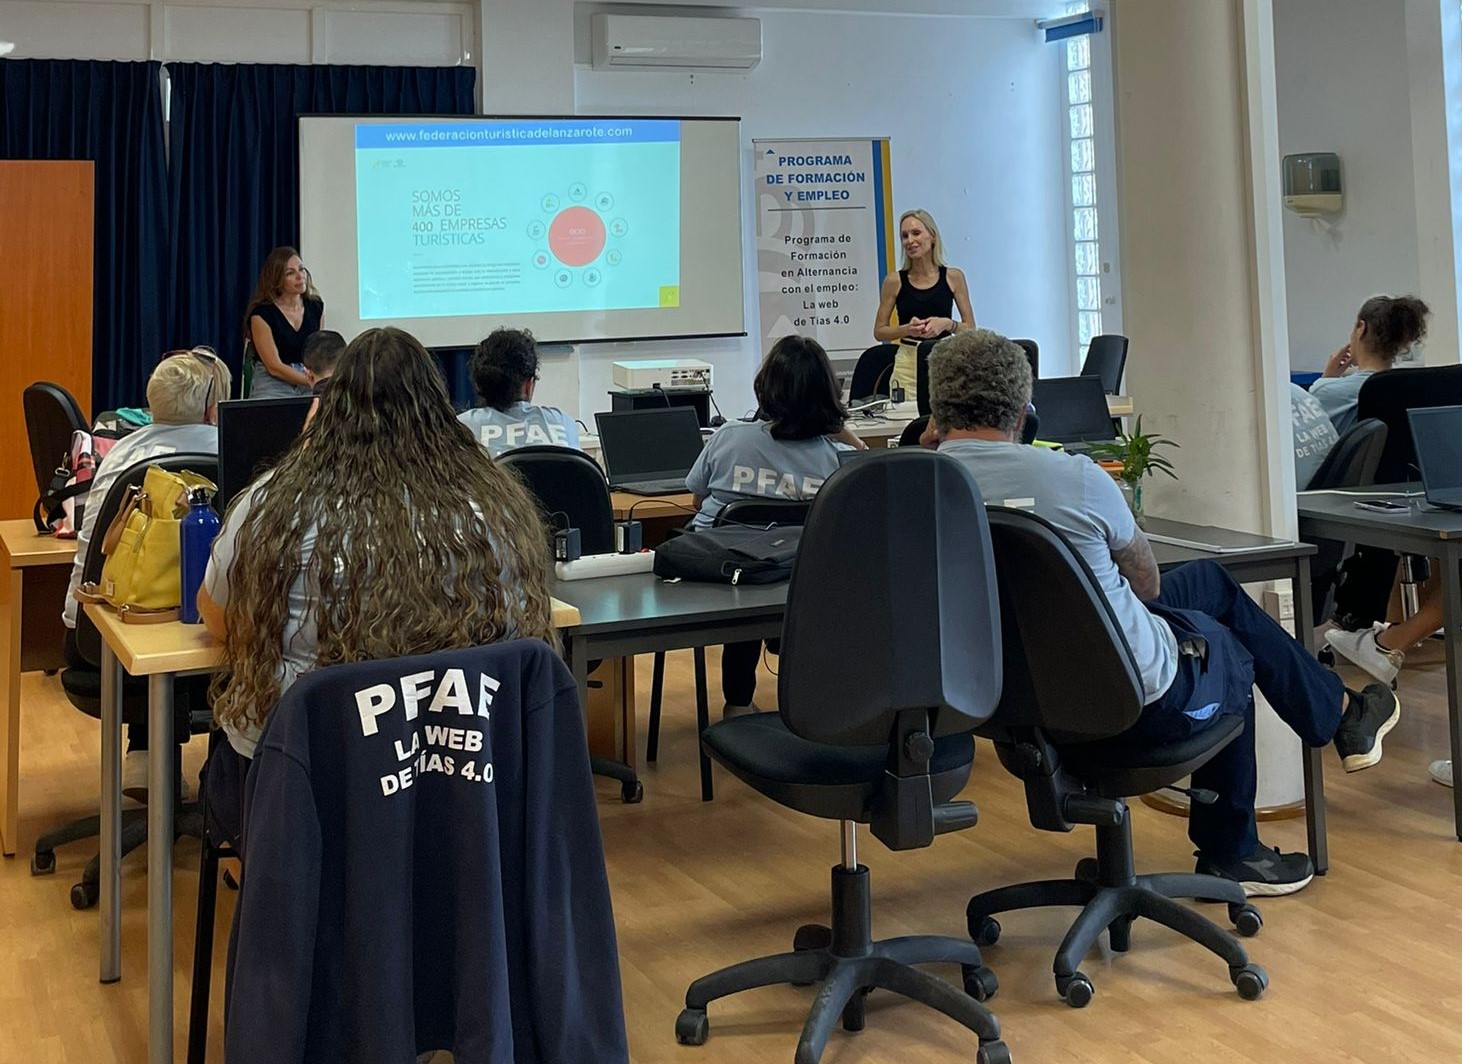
[386, 530]
[916, 304]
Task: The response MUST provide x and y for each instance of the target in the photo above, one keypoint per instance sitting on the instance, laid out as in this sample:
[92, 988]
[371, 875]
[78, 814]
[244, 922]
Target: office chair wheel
[993, 1053]
[84, 894]
[811, 936]
[229, 881]
[692, 1028]
[986, 932]
[1325, 656]
[1087, 870]
[631, 792]
[1251, 981]
[1246, 919]
[980, 983]
[43, 863]
[1077, 989]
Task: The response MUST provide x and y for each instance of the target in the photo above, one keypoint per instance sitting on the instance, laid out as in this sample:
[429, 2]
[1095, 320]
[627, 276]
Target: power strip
[592, 565]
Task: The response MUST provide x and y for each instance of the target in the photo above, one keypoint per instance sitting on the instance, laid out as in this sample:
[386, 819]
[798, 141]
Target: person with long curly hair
[386, 530]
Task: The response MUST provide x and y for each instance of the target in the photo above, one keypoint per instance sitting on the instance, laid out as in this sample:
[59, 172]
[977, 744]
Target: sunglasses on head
[205, 355]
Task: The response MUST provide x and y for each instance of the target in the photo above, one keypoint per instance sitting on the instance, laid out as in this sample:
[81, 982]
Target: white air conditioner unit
[674, 43]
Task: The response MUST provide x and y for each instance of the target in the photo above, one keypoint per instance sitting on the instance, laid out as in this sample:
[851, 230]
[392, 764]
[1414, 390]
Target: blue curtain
[234, 171]
[110, 113]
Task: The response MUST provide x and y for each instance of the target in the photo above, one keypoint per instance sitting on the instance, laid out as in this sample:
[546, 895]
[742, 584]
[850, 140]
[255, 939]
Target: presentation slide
[578, 228]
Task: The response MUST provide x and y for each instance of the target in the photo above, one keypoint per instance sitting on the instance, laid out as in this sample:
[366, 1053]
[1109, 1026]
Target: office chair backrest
[1353, 461]
[1068, 668]
[88, 639]
[784, 512]
[892, 603]
[572, 491]
[1388, 395]
[870, 374]
[52, 414]
[913, 431]
[1032, 355]
[1106, 357]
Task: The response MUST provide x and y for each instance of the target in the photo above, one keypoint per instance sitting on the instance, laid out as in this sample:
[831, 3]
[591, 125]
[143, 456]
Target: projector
[686, 374]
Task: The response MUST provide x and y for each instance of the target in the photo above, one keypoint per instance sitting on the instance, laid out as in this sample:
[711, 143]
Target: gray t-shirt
[520, 425]
[741, 460]
[1338, 396]
[1314, 435]
[1078, 497]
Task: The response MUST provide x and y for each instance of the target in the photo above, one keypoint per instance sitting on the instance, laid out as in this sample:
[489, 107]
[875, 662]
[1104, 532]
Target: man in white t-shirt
[504, 370]
[1199, 642]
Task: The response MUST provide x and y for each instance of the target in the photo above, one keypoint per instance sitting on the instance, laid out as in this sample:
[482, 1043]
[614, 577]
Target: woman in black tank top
[918, 303]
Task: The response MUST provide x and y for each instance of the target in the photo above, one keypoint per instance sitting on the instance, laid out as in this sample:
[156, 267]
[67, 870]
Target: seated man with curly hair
[504, 370]
[1199, 642]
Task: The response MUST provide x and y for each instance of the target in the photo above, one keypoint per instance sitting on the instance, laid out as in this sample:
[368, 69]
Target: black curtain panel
[110, 113]
[234, 171]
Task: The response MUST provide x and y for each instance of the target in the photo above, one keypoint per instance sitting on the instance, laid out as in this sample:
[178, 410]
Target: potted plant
[1137, 451]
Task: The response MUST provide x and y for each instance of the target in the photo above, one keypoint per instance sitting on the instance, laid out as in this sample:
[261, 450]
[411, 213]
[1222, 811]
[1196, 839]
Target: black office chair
[571, 489]
[870, 373]
[1032, 354]
[82, 684]
[766, 512]
[52, 414]
[1071, 690]
[874, 728]
[1351, 463]
[914, 430]
[1106, 357]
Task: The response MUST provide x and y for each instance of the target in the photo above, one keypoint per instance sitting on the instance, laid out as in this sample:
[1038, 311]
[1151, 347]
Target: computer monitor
[1072, 410]
[252, 434]
[644, 445]
[1437, 432]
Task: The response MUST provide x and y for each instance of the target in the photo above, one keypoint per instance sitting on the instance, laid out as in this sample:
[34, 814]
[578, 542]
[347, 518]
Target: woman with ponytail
[1385, 329]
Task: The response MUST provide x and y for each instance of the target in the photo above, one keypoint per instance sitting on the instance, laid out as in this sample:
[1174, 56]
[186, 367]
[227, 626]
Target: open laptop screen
[649, 444]
[1072, 409]
[1437, 431]
[252, 434]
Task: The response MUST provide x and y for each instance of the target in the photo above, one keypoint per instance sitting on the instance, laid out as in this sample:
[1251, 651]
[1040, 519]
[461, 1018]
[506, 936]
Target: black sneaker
[1265, 873]
[1369, 715]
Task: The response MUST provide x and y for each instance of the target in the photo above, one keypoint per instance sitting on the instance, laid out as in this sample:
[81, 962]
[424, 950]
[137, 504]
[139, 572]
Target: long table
[878, 429]
[160, 652]
[1420, 530]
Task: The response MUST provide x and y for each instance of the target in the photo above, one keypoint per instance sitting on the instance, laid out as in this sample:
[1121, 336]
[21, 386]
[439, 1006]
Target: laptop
[252, 435]
[649, 452]
[1073, 411]
[1437, 433]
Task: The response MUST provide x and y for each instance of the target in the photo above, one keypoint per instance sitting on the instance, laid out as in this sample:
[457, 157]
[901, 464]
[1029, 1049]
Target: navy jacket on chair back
[423, 870]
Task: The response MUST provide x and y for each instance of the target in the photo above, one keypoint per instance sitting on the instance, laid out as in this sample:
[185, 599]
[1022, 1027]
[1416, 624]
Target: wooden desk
[159, 652]
[34, 571]
[659, 515]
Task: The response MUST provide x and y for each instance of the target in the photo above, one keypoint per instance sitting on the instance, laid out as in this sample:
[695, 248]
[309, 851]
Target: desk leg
[111, 826]
[160, 782]
[1314, 756]
[1452, 619]
[10, 624]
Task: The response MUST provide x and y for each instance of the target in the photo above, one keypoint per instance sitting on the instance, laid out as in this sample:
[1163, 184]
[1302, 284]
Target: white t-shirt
[150, 441]
[741, 460]
[520, 425]
[1338, 396]
[1079, 498]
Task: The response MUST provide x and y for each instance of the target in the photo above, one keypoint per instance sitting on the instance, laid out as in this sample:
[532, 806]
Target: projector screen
[580, 229]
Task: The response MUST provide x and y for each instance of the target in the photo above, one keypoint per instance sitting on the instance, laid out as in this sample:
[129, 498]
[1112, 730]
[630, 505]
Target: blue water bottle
[199, 526]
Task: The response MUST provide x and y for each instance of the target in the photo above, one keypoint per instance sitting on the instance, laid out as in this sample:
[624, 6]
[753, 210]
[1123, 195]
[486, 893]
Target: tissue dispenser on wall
[1312, 183]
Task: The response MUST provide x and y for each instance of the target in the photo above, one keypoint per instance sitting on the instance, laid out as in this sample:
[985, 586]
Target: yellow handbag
[140, 576]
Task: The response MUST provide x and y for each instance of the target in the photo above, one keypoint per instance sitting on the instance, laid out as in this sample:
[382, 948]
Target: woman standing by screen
[283, 311]
[917, 304]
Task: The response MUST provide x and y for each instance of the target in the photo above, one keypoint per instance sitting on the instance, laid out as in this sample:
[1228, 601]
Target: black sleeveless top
[936, 301]
[289, 342]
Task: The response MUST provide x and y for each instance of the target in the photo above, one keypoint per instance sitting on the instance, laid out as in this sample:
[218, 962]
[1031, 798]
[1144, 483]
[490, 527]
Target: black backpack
[730, 555]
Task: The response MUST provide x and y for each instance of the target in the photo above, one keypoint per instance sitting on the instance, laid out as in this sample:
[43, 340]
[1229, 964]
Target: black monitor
[648, 444]
[252, 434]
[1437, 432]
[1072, 410]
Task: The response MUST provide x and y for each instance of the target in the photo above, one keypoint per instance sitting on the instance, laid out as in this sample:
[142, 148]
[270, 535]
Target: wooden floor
[1366, 965]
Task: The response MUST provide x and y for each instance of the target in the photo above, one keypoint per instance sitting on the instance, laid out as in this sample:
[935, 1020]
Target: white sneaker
[728, 710]
[1441, 771]
[135, 766]
[1361, 649]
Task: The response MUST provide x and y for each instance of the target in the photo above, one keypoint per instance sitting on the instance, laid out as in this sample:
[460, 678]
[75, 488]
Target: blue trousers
[1243, 647]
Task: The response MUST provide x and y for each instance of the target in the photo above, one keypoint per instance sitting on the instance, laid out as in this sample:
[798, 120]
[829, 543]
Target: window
[1086, 259]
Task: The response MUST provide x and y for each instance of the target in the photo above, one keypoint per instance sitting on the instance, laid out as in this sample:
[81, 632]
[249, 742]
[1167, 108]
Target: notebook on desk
[1206, 537]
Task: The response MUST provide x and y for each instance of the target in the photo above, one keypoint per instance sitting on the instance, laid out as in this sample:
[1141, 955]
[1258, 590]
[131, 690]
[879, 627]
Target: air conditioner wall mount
[674, 42]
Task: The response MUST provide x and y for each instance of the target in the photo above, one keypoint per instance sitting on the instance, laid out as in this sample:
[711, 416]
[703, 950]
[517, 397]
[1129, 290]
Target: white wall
[975, 138]
[1344, 86]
